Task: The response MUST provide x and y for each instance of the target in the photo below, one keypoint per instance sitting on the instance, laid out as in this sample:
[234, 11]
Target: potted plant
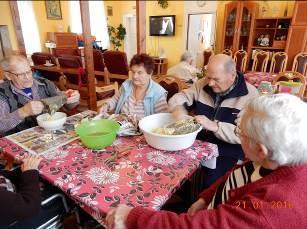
[117, 35]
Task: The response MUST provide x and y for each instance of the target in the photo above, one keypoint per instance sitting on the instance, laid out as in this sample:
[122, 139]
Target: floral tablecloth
[255, 78]
[143, 177]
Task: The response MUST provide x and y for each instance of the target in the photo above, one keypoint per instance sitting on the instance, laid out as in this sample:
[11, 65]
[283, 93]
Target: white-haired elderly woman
[184, 69]
[268, 191]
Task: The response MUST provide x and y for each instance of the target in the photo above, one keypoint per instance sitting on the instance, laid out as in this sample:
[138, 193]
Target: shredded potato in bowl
[178, 128]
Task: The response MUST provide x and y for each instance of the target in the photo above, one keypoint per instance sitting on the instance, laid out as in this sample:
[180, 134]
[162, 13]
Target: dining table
[95, 180]
[255, 78]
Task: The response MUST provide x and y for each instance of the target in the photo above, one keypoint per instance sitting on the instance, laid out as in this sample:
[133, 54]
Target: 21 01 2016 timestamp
[258, 204]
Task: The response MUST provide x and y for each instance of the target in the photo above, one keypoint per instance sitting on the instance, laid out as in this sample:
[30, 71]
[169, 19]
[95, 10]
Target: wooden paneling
[141, 26]
[88, 52]
[63, 40]
[17, 27]
[297, 42]
[300, 13]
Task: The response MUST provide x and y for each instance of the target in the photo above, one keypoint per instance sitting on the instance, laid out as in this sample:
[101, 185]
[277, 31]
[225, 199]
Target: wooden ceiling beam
[141, 26]
[17, 27]
[88, 54]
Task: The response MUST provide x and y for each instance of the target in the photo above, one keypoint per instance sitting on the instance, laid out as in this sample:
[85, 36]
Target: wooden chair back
[260, 61]
[300, 63]
[207, 54]
[279, 62]
[240, 57]
[227, 52]
[291, 76]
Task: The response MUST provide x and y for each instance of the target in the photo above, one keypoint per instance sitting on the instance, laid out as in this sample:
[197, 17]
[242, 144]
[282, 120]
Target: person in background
[185, 69]
[20, 94]
[140, 96]
[265, 192]
[216, 100]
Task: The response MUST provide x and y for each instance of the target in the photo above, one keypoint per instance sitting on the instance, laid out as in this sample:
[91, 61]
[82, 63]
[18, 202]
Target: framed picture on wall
[53, 9]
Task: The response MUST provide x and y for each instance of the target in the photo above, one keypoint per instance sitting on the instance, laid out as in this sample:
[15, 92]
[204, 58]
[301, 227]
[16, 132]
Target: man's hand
[121, 218]
[73, 96]
[31, 108]
[30, 163]
[197, 206]
[179, 113]
[207, 123]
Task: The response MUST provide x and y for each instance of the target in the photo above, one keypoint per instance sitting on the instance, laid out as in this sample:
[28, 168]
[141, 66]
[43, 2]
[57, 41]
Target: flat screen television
[162, 25]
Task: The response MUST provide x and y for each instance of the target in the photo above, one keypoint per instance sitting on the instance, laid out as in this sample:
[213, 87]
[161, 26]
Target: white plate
[48, 65]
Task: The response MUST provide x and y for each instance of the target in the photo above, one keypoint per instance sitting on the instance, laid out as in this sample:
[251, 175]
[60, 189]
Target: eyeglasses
[21, 74]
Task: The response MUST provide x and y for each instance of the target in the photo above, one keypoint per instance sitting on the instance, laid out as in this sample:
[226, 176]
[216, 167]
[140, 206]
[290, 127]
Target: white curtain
[29, 27]
[97, 18]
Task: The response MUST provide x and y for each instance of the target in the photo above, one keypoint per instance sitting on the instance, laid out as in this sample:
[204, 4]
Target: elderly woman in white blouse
[140, 96]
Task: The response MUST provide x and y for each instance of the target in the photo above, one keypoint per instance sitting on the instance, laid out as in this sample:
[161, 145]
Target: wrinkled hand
[31, 108]
[197, 206]
[30, 162]
[104, 109]
[207, 123]
[179, 113]
[73, 96]
[110, 218]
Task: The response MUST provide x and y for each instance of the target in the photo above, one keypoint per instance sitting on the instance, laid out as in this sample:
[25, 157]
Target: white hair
[186, 56]
[8, 62]
[280, 123]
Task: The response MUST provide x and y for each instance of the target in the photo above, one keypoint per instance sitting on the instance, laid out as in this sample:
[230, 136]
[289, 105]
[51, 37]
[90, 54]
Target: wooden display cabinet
[297, 37]
[239, 19]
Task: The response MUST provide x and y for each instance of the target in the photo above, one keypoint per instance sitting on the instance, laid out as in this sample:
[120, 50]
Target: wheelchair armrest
[55, 196]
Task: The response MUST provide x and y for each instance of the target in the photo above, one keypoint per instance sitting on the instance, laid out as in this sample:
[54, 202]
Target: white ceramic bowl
[165, 142]
[55, 123]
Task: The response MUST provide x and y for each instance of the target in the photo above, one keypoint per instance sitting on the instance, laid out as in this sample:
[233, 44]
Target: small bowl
[55, 123]
[97, 134]
[165, 142]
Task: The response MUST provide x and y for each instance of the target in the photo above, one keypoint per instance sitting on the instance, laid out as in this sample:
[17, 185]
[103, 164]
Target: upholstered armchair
[40, 58]
[117, 65]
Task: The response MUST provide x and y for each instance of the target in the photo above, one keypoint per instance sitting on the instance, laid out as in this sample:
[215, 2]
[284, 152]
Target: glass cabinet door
[230, 29]
[245, 28]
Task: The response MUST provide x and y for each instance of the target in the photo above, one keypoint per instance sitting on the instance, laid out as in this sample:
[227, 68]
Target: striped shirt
[248, 173]
[133, 107]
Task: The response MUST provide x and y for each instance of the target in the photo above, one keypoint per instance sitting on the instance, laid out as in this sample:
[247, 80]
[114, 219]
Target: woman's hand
[197, 206]
[30, 163]
[104, 109]
[31, 108]
[179, 113]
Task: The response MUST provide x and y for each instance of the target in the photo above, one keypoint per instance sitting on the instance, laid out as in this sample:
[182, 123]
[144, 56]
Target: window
[29, 27]
[97, 18]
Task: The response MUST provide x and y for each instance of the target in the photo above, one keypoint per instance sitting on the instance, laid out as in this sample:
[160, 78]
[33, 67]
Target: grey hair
[278, 122]
[230, 65]
[7, 62]
[186, 56]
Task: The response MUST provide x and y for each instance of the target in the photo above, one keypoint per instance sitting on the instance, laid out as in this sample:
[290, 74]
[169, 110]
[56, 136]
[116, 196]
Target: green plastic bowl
[97, 134]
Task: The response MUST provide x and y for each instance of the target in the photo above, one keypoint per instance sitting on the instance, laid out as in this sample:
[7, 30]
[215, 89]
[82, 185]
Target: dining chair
[101, 72]
[40, 58]
[260, 62]
[300, 63]
[227, 52]
[117, 65]
[240, 57]
[207, 53]
[171, 84]
[279, 62]
[290, 82]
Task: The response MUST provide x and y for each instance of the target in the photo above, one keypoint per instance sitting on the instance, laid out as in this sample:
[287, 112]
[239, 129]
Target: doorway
[200, 34]
[130, 48]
